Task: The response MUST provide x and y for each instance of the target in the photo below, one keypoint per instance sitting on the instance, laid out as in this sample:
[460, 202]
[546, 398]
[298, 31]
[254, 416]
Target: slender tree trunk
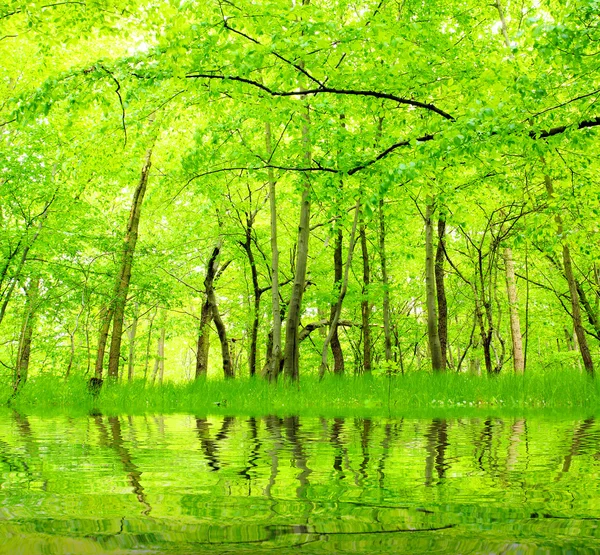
[161, 355]
[132, 333]
[7, 293]
[107, 312]
[334, 340]
[24, 352]
[432, 320]
[203, 340]
[148, 343]
[228, 370]
[570, 277]
[337, 308]
[291, 367]
[124, 278]
[365, 305]
[515, 322]
[386, 286]
[275, 352]
[156, 359]
[72, 340]
[440, 288]
[256, 291]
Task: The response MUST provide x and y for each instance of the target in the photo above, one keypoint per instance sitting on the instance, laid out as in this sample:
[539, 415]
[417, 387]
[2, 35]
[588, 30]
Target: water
[194, 484]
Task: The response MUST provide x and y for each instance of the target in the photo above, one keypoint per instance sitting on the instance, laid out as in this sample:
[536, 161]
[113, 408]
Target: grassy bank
[555, 390]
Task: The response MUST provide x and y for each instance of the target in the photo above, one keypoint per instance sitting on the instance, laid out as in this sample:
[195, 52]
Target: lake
[218, 484]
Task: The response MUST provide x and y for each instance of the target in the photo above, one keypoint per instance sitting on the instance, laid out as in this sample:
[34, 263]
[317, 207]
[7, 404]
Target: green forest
[298, 189]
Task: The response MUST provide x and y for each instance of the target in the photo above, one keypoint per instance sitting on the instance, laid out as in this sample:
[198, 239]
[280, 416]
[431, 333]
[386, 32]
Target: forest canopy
[285, 188]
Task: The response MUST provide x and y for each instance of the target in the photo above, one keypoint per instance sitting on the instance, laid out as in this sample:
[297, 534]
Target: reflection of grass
[425, 392]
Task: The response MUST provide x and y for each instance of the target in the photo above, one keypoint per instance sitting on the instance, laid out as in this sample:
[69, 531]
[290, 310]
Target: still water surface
[196, 484]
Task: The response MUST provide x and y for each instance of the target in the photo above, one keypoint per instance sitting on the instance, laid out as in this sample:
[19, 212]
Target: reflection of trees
[579, 436]
[254, 452]
[117, 445]
[437, 442]
[209, 446]
[390, 433]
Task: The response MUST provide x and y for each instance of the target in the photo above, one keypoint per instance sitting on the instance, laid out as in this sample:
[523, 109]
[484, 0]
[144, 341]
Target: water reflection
[202, 483]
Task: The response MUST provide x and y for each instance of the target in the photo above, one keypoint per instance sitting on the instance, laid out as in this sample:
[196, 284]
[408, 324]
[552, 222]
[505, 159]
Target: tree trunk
[203, 345]
[228, 370]
[256, 292]
[515, 322]
[24, 352]
[337, 308]
[440, 288]
[132, 332]
[206, 314]
[334, 340]
[148, 343]
[8, 291]
[291, 367]
[386, 287]
[275, 352]
[103, 337]
[365, 305]
[122, 286]
[586, 356]
[161, 355]
[432, 320]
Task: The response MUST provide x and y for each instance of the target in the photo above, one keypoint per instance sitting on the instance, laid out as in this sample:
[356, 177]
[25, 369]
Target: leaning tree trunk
[432, 320]
[275, 346]
[515, 322]
[337, 308]
[24, 352]
[440, 289]
[292, 345]
[122, 286]
[365, 305]
[570, 277]
[228, 370]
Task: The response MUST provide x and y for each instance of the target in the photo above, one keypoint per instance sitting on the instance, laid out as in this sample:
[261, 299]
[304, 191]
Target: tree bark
[386, 286]
[122, 285]
[291, 368]
[256, 292]
[228, 370]
[337, 308]
[132, 333]
[334, 340]
[102, 339]
[365, 305]
[24, 352]
[275, 351]
[440, 288]
[432, 320]
[203, 344]
[515, 322]
[586, 356]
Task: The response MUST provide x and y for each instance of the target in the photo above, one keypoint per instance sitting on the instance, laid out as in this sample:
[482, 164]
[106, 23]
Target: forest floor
[415, 393]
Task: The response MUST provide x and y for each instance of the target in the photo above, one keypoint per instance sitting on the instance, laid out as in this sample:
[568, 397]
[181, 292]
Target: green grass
[378, 396]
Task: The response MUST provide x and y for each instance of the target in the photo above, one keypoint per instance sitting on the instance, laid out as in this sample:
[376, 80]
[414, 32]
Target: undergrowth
[394, 395]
